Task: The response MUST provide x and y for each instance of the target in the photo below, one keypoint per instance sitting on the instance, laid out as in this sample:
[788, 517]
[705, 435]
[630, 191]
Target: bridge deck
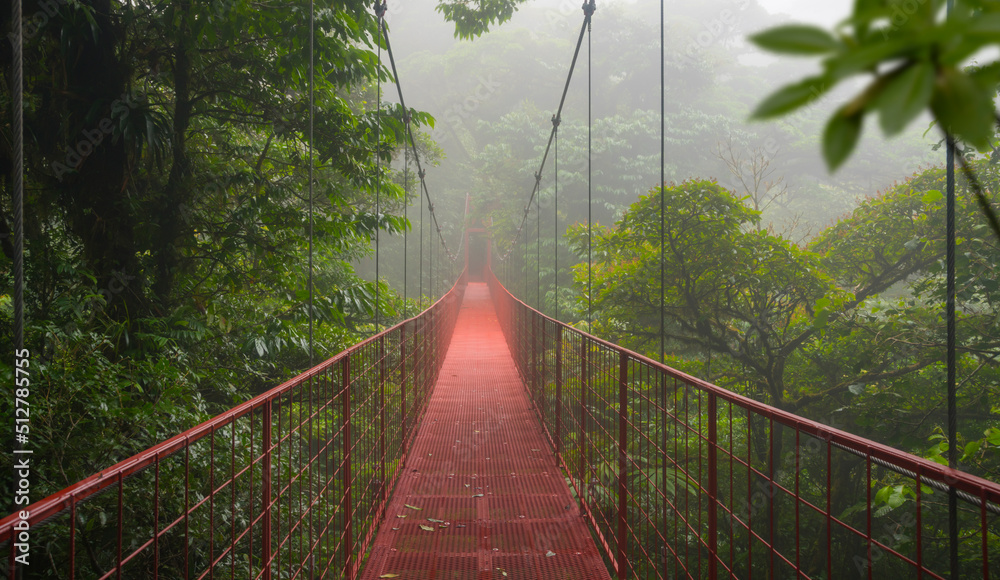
[481, 495]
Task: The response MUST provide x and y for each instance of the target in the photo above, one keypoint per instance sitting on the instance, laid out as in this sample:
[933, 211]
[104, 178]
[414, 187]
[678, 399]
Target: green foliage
[169, 230]
[914, 57]
[473, 19]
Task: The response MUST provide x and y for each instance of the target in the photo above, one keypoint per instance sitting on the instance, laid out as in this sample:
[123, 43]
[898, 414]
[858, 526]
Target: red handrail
[296, 475]
[680, 477]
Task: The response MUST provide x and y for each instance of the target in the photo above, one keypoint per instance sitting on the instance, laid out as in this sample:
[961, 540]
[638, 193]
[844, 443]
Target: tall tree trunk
[176, 195]
[100, 210]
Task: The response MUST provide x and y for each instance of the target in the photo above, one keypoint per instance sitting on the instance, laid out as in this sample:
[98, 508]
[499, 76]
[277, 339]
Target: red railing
[287, 485]
[682, 479]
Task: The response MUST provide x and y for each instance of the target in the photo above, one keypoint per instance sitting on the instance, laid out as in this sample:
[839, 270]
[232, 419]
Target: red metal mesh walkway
[492, 501]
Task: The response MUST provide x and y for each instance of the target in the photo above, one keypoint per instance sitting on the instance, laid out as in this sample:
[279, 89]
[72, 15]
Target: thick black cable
[952, 362]
[17, 118]
[413, 143]
[588, 11]
[312, 59]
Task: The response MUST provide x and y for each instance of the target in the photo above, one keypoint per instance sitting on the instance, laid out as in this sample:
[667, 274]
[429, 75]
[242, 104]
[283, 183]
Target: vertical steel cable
[590, 217]
[430, 269]
[420, 279]
[538, 252]
[380, 13]
[406, 208]
[952, 339]
[311, 135]
[555, 217]
[524, 270]
[18, 198]
[663, 202]
[952, 363]
[17, 116]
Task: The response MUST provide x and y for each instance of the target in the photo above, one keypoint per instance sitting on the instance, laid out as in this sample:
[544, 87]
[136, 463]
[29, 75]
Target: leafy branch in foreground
[914, 55]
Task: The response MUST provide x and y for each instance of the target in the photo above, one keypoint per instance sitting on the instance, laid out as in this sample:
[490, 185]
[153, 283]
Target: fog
[494, 97]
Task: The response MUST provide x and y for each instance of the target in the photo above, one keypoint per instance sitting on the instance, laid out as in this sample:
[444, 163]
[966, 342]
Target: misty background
[494, 97]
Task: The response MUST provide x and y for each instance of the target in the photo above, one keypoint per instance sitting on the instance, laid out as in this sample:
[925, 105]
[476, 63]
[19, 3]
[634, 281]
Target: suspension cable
[420, 284]
[18, 195]
[380, 8]
[416, 155]
[406, 208]
[524, 269]
[312, 59]
[430, 274]
[538, 253]
[555, 215]
[590, 164]
[952, 362]
[663, 203]
[588, 11]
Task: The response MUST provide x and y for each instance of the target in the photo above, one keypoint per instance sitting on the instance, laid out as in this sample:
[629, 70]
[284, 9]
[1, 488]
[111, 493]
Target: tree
[167, 225]
[801, 327]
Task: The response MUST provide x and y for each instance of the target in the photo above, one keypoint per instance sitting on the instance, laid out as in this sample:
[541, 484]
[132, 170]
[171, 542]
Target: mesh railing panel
[682, 479]
[286, 485]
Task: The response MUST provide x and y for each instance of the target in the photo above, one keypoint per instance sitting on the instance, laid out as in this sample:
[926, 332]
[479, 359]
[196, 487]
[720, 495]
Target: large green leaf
[905, 96]
[796, 39]
[791, 97]
[840, 137]
[964, 107]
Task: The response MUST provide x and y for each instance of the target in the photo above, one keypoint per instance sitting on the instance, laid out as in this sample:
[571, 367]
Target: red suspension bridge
[482, 439]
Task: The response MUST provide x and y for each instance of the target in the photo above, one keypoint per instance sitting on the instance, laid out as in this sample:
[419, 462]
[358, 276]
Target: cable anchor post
[589, 7]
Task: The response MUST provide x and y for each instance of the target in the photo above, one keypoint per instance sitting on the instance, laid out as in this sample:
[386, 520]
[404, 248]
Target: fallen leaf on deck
[426, 528]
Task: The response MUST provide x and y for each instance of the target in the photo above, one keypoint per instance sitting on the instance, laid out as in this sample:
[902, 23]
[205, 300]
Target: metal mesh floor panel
[481, 478]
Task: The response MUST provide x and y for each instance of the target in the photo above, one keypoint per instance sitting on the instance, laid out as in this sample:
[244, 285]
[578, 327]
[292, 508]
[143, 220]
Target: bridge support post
[559, 379]
[534, 365]
[265, 492]
[402, 389]
[345, 467]
[585, 471]
[383, 495]
[713, 486]
[622, 539]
